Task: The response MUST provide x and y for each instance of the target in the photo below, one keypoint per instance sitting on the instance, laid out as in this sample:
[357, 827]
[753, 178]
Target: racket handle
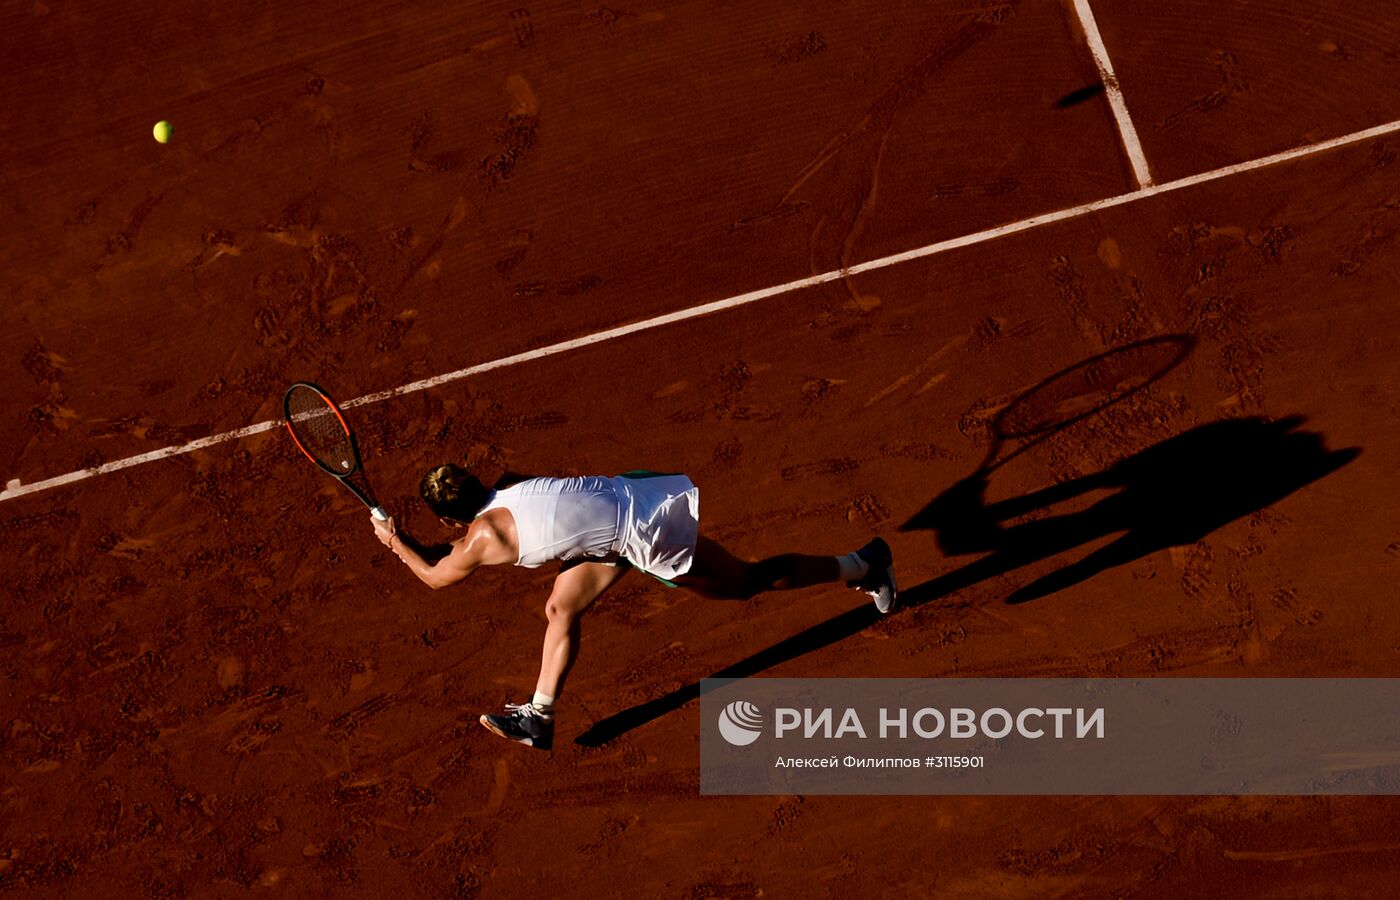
[379, 513]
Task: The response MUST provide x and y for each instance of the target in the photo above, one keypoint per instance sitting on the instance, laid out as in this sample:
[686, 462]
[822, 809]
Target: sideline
[1115, 93]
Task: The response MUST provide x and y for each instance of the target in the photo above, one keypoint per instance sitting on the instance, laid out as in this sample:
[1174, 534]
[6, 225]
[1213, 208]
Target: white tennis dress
[651, 521]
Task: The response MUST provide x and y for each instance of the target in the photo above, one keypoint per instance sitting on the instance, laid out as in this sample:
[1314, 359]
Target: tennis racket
[321, 432]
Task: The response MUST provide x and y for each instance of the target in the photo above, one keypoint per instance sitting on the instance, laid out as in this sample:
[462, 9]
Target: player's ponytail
[453, 493]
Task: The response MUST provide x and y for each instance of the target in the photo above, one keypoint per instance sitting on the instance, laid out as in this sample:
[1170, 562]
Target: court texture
[809, 254]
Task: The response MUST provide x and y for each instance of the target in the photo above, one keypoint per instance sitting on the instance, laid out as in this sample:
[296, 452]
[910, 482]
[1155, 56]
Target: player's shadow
[1171, 494]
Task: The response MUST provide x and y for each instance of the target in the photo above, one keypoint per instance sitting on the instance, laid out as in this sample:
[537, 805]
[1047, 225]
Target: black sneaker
[879, 582]
[526, 724]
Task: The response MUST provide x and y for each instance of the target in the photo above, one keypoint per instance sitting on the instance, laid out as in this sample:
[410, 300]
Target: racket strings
[320, 430]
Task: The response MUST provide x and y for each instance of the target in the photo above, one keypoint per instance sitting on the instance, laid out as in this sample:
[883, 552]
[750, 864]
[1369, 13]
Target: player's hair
[453, 493]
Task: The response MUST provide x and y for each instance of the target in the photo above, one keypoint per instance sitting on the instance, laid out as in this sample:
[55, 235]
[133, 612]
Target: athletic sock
[853, 568]
[543, 702]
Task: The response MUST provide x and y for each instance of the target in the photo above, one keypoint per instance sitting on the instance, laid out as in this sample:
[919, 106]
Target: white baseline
[15, 489]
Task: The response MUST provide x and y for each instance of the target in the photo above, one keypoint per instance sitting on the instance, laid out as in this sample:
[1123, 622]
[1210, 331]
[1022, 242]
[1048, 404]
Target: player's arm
[438, 566]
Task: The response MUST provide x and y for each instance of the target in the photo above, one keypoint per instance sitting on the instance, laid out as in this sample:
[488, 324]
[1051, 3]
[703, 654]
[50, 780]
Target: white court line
[1115, 93]
[15, 489]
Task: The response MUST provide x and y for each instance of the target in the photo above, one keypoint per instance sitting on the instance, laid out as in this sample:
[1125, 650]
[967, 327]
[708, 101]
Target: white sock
[543, 702]
[853, 568]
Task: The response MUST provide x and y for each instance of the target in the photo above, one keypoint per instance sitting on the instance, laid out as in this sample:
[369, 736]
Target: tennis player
[599, 528]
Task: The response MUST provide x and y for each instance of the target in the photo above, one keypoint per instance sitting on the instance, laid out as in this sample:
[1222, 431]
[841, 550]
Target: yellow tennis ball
[162, 131]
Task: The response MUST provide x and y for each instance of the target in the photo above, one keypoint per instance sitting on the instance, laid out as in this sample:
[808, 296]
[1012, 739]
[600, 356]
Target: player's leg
[715, 572]
[575, 589]
[720, 573]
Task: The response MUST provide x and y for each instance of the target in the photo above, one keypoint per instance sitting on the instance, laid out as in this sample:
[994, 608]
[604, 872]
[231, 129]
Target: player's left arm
[438, 566]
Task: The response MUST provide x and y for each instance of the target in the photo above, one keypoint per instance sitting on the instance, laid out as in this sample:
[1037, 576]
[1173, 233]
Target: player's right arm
[446, 568]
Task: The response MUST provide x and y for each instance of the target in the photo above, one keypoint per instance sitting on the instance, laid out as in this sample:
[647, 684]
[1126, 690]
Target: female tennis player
[599, 528]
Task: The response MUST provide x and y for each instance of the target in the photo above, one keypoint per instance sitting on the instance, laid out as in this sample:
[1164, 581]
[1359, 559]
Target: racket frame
[375, 509]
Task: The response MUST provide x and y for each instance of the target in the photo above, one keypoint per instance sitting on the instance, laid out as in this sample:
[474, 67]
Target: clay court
[217, 682]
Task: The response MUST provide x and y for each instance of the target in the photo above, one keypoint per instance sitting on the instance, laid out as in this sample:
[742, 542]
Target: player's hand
[384, 530]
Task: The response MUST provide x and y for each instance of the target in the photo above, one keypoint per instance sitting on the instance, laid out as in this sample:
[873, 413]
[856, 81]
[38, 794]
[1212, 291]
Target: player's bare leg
[715, 572]
[575, 589]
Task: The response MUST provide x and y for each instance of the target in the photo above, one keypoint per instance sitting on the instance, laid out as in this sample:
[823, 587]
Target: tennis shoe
[524, 723]
[879, 582]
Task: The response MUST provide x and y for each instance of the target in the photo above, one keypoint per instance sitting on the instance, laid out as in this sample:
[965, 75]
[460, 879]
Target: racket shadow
[1171, 494]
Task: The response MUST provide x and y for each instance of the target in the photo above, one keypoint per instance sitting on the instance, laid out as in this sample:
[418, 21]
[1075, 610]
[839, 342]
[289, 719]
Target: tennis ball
[162, 131]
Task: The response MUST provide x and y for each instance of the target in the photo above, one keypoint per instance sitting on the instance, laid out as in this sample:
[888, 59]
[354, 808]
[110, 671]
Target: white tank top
[562, 518]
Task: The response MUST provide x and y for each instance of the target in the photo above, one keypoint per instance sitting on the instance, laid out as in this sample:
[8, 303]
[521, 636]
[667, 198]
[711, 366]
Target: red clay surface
[217, 682]
[1209, 84]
